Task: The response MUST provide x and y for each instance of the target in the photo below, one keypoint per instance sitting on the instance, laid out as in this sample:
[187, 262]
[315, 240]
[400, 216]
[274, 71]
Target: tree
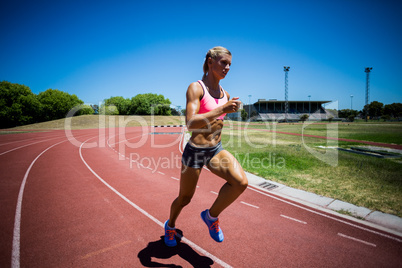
[55, 104]
[375, 109]
[85, 109]
[175, 111]
[18, 105]
[304, 117]
[143, 104]
[346, 113]
[108, 110]
[122, 104]
[393, 110]
[243, 115]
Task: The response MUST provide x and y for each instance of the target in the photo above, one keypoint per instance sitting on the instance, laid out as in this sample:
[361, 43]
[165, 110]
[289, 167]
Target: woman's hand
[232, 106]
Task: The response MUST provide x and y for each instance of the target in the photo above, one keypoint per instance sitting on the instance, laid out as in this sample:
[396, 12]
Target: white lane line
[357, 240]
[95, 253]
[185, 240]
[213, 192]
[179, 180]
[118, 152]
[111, 144]
[182, 140]
[327, 216]
[11, 142]
[29, 145]
[15, 254]
[247, 204]
[161, 173]
[16, 141]
[293, 219]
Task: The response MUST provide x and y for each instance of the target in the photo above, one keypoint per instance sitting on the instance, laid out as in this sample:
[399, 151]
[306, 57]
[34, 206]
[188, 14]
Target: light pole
[367, 71]
[286, 70]
[351, 102]
[309, 106]
[249, 106]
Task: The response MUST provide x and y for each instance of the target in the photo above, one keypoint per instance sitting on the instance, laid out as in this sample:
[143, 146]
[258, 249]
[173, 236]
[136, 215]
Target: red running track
[100, 199]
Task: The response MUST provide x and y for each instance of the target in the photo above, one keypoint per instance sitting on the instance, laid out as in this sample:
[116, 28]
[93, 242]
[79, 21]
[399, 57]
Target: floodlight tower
[367, 71]
[286, 70]
[351, 102]
[249, 106]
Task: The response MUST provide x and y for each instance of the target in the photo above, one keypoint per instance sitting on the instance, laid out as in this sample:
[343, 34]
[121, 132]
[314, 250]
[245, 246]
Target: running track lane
[14, 163]
[75, 220]
[320, 216]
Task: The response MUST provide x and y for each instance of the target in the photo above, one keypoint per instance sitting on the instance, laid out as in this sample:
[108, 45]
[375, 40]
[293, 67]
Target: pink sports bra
[208, 103]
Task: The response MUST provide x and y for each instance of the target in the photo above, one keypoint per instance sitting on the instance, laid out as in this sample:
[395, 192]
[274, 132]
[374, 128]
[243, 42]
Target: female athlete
[206, 106]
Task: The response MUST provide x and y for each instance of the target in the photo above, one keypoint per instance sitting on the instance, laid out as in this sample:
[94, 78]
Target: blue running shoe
[214, 230]
[170, 235]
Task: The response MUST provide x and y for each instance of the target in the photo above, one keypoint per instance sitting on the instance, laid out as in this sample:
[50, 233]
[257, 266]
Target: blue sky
[99, 49]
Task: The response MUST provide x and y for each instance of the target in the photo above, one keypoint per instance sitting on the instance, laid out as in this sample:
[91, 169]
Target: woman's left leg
[225, 165]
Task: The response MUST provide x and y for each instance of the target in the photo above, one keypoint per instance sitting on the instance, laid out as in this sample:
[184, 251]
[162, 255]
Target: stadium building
[275, 110]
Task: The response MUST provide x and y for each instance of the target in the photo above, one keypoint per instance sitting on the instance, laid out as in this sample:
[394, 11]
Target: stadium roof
[282, 101]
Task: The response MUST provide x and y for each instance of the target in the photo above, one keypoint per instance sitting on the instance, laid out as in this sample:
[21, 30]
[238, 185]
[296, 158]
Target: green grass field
[362, 180]
[365, 181]
[376, 132]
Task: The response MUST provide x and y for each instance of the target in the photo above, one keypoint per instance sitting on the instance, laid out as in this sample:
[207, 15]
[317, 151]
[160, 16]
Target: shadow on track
[159, 250]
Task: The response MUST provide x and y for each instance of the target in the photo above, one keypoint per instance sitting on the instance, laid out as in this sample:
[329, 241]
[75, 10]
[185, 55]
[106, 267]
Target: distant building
[274, 110]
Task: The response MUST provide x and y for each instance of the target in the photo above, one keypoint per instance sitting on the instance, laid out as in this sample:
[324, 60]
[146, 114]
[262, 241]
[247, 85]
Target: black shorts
[197, 157]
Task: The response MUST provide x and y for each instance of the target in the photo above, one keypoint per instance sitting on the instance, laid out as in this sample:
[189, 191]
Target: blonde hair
[214, 53]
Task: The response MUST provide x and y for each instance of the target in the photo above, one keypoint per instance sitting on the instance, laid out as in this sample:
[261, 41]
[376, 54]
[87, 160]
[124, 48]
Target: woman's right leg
[188, 184]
